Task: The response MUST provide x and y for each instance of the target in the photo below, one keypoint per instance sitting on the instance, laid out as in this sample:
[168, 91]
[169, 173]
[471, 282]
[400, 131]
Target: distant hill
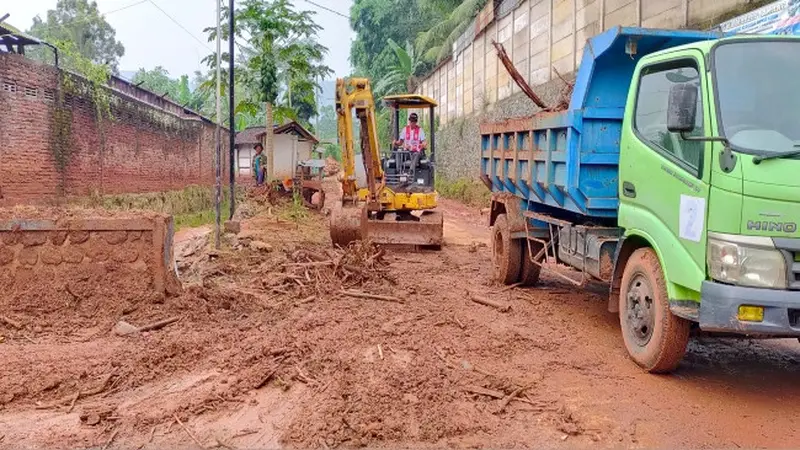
[328, 96]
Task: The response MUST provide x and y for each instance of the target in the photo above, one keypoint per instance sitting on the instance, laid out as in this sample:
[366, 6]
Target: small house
[292, 143]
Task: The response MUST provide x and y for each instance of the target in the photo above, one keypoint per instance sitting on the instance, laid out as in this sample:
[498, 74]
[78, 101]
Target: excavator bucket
[345, 224]
[428, 231]
[351, 223]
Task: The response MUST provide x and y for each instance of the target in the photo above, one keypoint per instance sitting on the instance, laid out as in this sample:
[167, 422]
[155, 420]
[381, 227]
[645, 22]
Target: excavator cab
[405, 170]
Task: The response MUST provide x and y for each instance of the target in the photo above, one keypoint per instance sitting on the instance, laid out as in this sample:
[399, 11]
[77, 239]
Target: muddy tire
[506, 252]
[529, 273]
[655, 338]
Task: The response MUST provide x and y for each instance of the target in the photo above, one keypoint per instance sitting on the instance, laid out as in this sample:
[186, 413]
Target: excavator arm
[354, 95]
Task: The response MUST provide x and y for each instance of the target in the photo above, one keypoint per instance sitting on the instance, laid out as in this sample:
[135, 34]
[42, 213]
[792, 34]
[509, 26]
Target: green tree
[79, 22]
[158, 81]
[375, 23]
[437, 41]
[327, 127]
[401, 77]
[278, 64]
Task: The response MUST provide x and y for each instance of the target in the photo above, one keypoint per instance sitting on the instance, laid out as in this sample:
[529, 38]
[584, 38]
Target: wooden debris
[81, 394]
[188, 432]
[271, 374]
[487, 302]
[497, 394]
[385, 298]
[111, 439]
[461, 325]
[510, 397]
[10, 322]
[510, 287]
[74, 400]
[380, 351]
[160, 324]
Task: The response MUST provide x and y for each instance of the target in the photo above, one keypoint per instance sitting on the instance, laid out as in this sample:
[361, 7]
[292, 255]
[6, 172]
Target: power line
[79, 21]
[346, 16]
[181, 26]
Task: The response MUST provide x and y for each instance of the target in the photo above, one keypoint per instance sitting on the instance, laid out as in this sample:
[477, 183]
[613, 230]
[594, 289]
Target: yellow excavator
[397, 203]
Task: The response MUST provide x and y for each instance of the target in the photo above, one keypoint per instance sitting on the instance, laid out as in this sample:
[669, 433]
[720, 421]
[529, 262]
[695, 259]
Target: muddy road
[273, 350]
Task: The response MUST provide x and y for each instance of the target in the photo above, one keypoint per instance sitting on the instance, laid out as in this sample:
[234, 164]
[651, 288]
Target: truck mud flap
[428, 231]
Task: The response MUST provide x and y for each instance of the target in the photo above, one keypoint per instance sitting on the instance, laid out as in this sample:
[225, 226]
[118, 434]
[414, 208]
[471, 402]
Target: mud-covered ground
[271, 350]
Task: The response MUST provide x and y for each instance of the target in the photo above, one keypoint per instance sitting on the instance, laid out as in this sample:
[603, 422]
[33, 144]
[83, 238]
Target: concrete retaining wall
[129, 250]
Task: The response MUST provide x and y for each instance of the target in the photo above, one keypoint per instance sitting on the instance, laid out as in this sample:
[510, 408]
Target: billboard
[781, 17]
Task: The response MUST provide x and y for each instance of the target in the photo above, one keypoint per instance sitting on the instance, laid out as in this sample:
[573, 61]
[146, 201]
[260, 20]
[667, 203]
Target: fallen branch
[494, 394]
[510, 287]
[188, 432]
[111, 439]
[271, 374]
[12, 323]
[81, 394]
[486, 302]
[385, 298]
[310, 264]
[380, 351]
[160, 324]
[74, 400]
[510, 397]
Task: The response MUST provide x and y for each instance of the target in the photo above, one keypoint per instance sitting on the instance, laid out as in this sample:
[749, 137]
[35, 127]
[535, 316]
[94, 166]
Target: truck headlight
[746, 261]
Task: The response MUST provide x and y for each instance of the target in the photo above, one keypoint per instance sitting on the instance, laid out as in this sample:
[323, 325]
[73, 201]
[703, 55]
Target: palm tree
[437, 42]
[283, 55]
[402, 75]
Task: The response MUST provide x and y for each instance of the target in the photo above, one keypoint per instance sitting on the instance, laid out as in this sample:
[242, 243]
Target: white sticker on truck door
[692, 218]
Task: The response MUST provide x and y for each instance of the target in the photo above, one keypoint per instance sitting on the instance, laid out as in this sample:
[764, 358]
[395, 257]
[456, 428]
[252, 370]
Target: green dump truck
[674, 176]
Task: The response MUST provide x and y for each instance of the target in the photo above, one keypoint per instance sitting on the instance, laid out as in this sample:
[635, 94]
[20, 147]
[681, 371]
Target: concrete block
[651, 9]
[671, 18]
[562, 10]
[565, 65]
[561, 30]
[625, 16]
[614, 5]
[587, 14]
[561, 49]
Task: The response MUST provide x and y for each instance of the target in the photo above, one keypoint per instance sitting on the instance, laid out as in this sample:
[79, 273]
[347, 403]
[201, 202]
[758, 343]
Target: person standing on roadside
[259, 164]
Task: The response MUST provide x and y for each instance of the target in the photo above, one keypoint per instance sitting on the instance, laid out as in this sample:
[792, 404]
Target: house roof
[253, 135]
[249, 136]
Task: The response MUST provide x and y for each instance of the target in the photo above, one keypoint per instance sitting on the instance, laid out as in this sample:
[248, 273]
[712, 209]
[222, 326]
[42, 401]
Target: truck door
[664, 178]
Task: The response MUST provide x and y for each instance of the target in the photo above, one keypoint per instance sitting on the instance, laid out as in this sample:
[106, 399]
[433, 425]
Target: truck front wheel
[506, 252]
[655, 338]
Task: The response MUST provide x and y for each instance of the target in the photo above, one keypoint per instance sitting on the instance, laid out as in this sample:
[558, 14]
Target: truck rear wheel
[655, 338]
[506, 252]
[529, 274]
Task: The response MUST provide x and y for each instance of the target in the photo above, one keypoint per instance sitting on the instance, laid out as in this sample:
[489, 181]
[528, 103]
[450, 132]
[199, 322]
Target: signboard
[781, 17]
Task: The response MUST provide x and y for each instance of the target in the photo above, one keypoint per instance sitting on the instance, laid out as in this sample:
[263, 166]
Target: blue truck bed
[566, 163]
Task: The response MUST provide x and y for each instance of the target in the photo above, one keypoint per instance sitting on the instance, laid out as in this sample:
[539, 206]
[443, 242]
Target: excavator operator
[412, 139]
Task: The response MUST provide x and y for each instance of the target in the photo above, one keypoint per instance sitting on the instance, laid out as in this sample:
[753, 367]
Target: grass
[190, 207]
[465, 190]
[200, 218]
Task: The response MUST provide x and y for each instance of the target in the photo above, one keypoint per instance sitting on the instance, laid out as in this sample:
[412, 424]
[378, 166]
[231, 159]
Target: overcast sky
[151, 39]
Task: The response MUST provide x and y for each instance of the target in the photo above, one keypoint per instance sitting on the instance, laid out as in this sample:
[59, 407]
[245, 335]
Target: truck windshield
[758, 90]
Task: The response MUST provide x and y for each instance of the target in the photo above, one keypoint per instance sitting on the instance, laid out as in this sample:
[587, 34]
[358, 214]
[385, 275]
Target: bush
[466, 190]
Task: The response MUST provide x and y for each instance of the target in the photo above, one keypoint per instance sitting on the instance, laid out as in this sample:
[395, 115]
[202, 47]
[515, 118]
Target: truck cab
[674, 176]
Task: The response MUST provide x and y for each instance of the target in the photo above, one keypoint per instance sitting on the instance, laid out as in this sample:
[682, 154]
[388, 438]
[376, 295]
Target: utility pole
[231, 108]
[218, 134]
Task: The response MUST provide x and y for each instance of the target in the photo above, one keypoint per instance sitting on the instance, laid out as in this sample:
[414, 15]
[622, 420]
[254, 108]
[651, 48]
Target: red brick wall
[150, 145]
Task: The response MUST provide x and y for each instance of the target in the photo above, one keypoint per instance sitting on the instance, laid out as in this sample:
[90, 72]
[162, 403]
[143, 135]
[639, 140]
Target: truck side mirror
[682, 108]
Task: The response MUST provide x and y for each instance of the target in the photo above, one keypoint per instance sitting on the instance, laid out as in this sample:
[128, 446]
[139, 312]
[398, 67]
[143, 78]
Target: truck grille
[794, 271]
